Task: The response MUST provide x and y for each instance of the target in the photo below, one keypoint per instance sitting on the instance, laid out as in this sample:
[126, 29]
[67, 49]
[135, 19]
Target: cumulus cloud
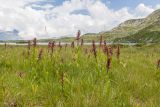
[143, 10]
[42, 19]
[158, 6]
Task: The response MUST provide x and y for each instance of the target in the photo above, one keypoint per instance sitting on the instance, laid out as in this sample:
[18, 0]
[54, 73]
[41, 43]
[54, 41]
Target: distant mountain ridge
[129, 29]
[135, 25]
[143, 30]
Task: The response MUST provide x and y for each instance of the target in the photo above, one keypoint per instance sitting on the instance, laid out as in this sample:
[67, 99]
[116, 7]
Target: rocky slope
[148, 31]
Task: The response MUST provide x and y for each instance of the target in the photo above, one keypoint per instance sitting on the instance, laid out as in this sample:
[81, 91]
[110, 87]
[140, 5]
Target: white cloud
[30, 18]
[158, 6]
[142, 10]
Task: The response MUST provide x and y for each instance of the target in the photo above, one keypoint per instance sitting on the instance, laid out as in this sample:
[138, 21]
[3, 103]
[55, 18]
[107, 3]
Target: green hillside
[134, 30]
[150, 34]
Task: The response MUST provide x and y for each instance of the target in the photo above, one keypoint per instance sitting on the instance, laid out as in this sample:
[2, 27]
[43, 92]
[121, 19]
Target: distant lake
[63, 43]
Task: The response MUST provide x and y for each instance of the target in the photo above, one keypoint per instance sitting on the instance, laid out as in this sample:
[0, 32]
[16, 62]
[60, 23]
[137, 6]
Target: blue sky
[117, 4]
[56, 18]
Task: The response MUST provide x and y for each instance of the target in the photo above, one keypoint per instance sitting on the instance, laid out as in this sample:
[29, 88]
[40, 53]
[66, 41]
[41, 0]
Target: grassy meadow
[75, 77]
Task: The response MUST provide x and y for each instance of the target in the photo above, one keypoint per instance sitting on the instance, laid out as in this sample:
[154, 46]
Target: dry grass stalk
[78, 37]
[62, 82]
[86, 51]
[40, 54]
[106, 50]
[20, 74]
[49, 45]
[104, 42]
[52, 46]
[101, 39]
[66, 46]
[29, 45]
[158, 64]
[94, 49]
[5, 45]
[110, 51]
[118, 52]
[59, 45]
[34, 42]
[108, 65]
[72, 44]
[81, 42]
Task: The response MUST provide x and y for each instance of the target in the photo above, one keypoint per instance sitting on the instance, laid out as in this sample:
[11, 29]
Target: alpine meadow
[77, 61]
